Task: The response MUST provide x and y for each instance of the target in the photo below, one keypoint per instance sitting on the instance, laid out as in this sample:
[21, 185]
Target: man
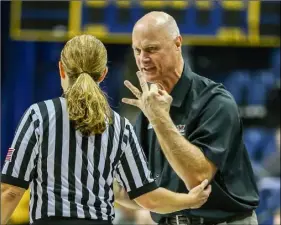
[190, 129]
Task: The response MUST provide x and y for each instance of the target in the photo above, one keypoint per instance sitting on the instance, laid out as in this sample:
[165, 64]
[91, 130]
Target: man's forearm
[186, 159]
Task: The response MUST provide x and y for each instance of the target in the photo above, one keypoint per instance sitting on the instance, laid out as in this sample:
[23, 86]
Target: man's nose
[145, 57]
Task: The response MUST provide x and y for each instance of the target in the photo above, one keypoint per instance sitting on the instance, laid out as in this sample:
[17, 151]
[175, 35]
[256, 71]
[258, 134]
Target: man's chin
[151, 73]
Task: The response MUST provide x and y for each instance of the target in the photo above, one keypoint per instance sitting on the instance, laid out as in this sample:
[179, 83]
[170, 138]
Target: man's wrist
[160, 120]
[184, 200]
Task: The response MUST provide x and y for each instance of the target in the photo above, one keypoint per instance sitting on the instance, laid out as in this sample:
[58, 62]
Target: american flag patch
[9, 155]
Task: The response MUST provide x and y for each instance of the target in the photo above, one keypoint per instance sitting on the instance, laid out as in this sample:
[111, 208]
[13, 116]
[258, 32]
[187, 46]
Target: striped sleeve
[132, 171]
[21, 158]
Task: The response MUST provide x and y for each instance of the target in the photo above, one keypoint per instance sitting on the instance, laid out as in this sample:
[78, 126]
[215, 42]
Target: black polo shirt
[207, 115]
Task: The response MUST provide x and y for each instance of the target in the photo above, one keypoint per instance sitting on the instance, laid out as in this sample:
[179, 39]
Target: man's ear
[179, 42]
[103, 75]
[62, 73]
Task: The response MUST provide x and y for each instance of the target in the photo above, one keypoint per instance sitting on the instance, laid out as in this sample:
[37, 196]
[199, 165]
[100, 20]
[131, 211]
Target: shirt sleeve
[21, 157]
[219, 130]
[132, 171]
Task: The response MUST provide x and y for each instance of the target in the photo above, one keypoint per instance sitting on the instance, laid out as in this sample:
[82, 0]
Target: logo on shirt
[181, 129]
[9, 155]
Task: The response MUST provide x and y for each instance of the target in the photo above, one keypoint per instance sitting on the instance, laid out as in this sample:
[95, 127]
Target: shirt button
[157, 175]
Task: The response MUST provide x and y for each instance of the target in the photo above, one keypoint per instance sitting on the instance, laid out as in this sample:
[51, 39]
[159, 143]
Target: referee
[70, 149]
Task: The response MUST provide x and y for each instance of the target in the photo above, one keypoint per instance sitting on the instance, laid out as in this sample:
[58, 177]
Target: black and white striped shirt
[71, 175]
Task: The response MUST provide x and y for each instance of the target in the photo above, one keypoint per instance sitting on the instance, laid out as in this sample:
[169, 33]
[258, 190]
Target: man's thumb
[204, 183]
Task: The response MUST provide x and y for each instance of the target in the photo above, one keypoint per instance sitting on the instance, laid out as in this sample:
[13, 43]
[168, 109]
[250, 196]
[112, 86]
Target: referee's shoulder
[42, 107]
[123, 122]
[50, 100]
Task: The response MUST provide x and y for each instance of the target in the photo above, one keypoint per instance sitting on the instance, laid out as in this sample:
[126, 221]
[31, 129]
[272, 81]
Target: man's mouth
[148, 69]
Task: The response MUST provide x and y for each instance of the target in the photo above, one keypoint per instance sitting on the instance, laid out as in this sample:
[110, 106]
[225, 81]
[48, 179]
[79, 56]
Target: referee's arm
[19, 164]
[121, 197]
[10, 197]
[133, 178]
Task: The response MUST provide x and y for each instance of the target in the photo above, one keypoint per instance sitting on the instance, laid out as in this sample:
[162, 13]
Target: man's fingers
[206, 193]
[204, 184]
[132, 88]
[154, 88]
[143, 83]
[160, 86]
[162, 92]
[200, 188]
[165, 94]
[129, 101]
[208, 190]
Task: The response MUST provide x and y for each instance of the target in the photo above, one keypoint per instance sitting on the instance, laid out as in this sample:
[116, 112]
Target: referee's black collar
[182, 86]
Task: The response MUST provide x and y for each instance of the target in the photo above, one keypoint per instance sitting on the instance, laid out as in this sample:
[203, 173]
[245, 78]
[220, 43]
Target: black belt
[188, 220]
[182, 220]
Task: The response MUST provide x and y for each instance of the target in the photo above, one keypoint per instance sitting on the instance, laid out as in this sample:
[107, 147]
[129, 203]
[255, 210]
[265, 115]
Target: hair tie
[92, 75]
[84, 72]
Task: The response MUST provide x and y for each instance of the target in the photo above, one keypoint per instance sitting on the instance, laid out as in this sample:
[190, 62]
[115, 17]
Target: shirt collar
[182, 87]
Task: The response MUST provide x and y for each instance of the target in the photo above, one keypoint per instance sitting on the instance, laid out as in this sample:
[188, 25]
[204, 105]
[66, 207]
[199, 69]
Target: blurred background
[234, 42]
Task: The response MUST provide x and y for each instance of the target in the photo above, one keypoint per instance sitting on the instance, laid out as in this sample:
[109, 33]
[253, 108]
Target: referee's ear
[103, 75]
[62, 73]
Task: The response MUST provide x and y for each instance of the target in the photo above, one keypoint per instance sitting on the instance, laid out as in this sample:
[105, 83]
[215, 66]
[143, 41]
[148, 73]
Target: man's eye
[151, 49]
[137, 51]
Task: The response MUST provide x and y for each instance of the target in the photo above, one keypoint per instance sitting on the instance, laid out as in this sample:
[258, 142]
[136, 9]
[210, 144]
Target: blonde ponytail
[87, 106]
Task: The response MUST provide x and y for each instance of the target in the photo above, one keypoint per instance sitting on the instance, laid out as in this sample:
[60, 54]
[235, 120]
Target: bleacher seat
[237, 83]
[260, 143]
[261, 83]
[275, 65]
[269, 189]
[275, 60]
